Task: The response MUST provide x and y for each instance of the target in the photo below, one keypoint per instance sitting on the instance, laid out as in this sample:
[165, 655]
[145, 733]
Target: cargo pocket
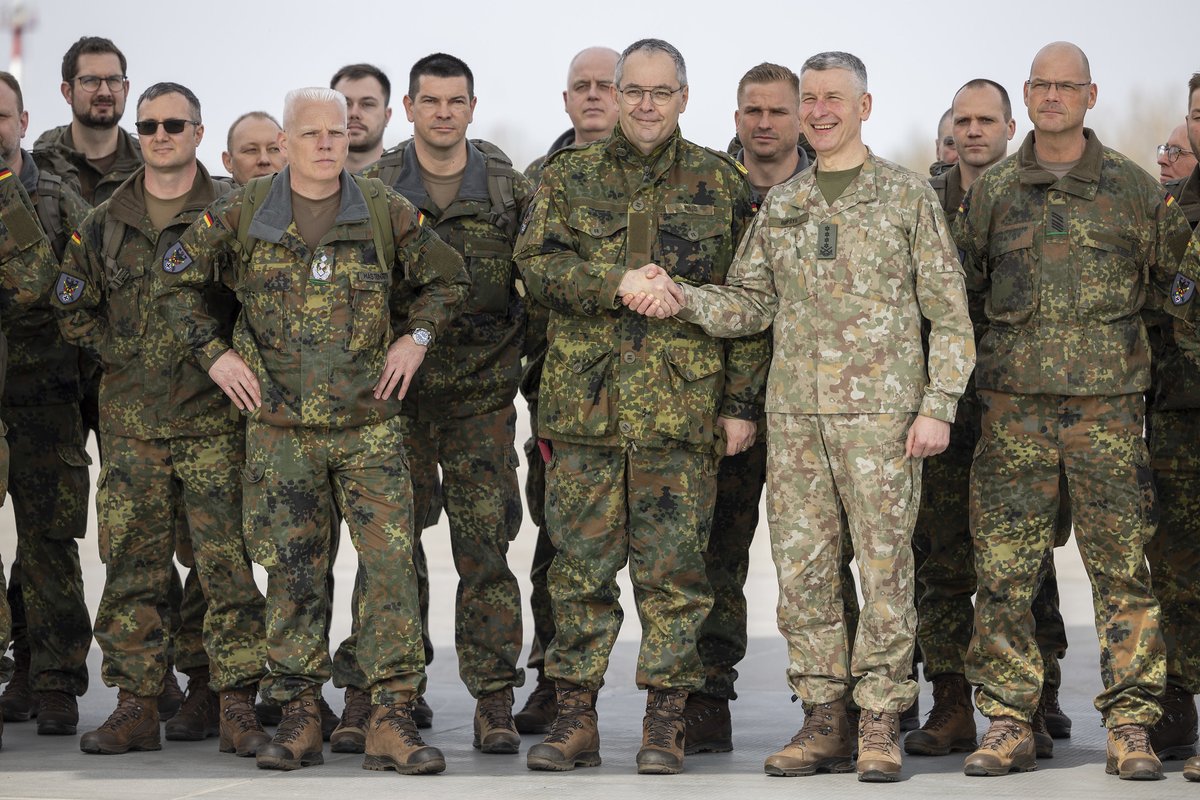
[103, 500]
[579, 402]
[259, 545]
[490, 265]
[691, 242]
[693, 381]
[1111, 285]
[1013, 268]
[368, 298]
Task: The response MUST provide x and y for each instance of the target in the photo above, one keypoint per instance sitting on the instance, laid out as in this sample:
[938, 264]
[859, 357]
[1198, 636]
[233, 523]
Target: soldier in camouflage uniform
[632, 474]
[846, 260]
[324, 263]
[592, 108]
[49, 479]
[1058, 242]
[1173, 427]
[168, 439]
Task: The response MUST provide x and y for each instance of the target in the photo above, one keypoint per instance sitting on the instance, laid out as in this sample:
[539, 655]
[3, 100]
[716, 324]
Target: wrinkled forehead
[309, 114]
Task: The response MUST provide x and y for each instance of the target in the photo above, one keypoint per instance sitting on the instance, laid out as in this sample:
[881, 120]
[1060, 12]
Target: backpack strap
[49, 211]
[252, 200]
[375, 192]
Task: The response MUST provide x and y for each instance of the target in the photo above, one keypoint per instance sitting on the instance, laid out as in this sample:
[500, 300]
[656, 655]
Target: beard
[366, 145]
[96, 122]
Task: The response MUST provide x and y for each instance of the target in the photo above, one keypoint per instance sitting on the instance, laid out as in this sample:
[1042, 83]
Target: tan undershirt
[442, 189]
[1058, 168]
[315, 218]
[161, 212]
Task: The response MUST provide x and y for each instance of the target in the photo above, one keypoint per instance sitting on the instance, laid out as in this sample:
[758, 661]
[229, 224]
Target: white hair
[311, 94]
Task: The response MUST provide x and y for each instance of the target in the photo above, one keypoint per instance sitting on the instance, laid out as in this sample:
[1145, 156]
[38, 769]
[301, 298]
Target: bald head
[1060, 53]
[1058, 94]
[589, 99]
[592, 56]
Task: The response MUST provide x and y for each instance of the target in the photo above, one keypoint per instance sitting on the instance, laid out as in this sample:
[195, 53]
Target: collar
[272, 219]
[474, 182]
[1082, 181]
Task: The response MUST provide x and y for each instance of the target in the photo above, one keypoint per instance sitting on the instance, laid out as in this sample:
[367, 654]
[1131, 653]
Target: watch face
[422, 336]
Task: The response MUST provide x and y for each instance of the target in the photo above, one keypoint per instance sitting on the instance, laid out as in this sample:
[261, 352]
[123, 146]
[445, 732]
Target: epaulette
[731, 160]
[571, 147]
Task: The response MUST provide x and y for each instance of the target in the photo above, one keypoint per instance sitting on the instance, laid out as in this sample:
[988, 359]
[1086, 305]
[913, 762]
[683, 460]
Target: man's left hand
[403, 359]
[739, 434]
[927, 437]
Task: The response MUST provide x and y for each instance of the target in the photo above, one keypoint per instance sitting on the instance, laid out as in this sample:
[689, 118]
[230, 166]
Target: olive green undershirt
[834, 183]
[442, 189]
[315, 218]
[161, 212]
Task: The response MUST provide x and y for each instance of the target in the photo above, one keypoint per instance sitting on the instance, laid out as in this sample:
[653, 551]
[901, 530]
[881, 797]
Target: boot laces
[572, 705]
[357, 710]
[239, 710]
[999, 732]
[878, 732]
[1134, 738]
[818, 721]
[541, 696]
[54, 702]
[947, 695]
[664, 712]
[296, 715]
[125, 711]
[399, 719]
[197, 697]
[699, 708]
[496, 710]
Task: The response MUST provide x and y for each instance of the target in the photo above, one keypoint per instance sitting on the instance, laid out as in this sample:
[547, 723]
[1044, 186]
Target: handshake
[650, 291]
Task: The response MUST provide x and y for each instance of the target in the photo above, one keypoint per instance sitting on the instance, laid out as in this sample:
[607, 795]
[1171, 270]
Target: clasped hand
[650, 291]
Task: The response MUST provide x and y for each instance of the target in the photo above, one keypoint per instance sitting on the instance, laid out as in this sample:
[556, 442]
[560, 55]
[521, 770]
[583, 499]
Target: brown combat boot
[133, 725]
[879, 746]
[707, 727]
[951, 724]
[394, 743]
[58, 714]
[1130, 755]
[1007, 747]
[1191, 768]
[910, 718]
[297, 740]
[350, 736]
[1043, 742]
[1174, 735]
[240, 730]
[540, 708]
[1058, 724]
[18, 702]
[662, 733]
[171, 697]
[495, 731]
[199, 716]
[329, 720]
[823, 743]
[422, 714]
[573, 739]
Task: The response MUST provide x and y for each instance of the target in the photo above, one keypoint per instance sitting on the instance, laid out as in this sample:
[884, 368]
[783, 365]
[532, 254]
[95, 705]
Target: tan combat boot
[951, 724]
[878, 746]
[707, 727]
[541, 707]
[394, 743]
[823, 743]
[350, 736]
[1174, 735]
[1007, 747]
[573, 740]
[133, 725]
[1191, 768]
[240, 730]
[1130, 755]
[495, 731]
[199, 716]
[297, 741]
[662, 733]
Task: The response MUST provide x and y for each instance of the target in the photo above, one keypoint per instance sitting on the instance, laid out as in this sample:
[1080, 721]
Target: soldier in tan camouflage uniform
[321, 261]
[846, 260]
[168, 439]
[635, 410]
[1064, 243]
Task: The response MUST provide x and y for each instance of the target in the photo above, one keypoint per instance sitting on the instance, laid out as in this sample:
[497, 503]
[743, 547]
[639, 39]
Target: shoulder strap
[500, 188]
[375, 192]
[255, 194]
[114, 237]
[391, 164]
[49, 211]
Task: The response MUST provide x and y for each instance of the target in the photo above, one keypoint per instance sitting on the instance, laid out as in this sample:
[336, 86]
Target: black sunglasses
[148, 127]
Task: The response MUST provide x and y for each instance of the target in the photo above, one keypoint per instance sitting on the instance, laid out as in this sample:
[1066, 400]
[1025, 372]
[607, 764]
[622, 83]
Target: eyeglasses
[633, 95]
[1172, 152]
[1065, 88]
[148, 127]
[948, 141]
[90, 83]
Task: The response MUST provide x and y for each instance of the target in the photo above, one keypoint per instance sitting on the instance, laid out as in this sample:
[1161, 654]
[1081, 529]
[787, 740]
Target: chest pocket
[779, 240]
[1111, 277]
[126, 296]
[368, 299]
[489, 262]
[691, 239]
[600, 233]
[1013, 269]
[263, 293]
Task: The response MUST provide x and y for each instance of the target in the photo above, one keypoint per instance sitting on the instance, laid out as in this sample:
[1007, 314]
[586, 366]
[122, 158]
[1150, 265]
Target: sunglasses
[148, 127]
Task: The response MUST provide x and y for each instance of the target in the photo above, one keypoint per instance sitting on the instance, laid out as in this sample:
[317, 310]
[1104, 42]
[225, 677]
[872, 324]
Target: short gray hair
[836, 59]
[311, 94]
[653, 46]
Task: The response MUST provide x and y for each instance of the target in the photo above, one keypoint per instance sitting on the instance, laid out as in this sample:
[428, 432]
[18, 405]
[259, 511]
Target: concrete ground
[34, 766]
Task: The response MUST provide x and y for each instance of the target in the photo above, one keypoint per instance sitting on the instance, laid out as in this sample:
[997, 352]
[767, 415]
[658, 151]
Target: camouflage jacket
[54, 151]
[846, 286]
[315, 323]
[149, 388]
[534, 171]
[476, 365]
[1064, 267]
[42, 368]
[1186, 192]
[611, 376]
[1175, 380]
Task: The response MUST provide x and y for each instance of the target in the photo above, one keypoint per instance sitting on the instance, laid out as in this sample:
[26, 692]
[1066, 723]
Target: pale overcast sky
[245, 55]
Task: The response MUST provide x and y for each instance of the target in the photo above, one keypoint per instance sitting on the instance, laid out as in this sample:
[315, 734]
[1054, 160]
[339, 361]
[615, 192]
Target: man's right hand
[236, 379]
[650, 291]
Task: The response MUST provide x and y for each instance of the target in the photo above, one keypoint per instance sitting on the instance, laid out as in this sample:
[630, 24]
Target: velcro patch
[176, 259]
[374, 277]
[69, 288]
[1182, 290]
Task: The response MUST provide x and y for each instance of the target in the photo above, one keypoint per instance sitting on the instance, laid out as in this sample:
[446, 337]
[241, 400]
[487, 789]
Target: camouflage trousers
[48, 487]
[141, 486]
[1174, 552]
[1097, 442]
[292, 478]
[540, 611]
[946, 560]
[819, 466]
[6, 664]
[653, 508]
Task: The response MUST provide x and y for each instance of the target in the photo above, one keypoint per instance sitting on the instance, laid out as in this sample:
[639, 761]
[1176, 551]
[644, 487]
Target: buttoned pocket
[264, 303]
[368, 299]
[1111, 280]
[691, 241]
[693, 380]
[1015, 278]
[489, 263]
[599, 233]
[577, 391]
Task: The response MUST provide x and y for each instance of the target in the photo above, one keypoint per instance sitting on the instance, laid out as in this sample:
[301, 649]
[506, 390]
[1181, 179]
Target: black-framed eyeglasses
[1065, 88]
[1172, 152]
[148, 127]
[659, 95]
[90, 83]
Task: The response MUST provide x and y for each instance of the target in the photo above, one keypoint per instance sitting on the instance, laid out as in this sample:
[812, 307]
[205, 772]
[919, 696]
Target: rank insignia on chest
[1182, 289]
[322, 268]
[176, 259]
[827, 241]
[69, 288]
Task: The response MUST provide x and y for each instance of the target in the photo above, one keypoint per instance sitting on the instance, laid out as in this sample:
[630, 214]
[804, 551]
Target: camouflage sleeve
[202, 258]
[1187, 337]
[972, 254]
[79, 290]
[547, 254]
[1173, 277]
[430, 265]
[747, 358]
[942, 297]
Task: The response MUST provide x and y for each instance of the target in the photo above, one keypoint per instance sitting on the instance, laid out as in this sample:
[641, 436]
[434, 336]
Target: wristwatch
[422, 336]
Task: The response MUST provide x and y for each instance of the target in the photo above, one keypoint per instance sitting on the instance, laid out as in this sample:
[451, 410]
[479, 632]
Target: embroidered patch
[76, 238]
[176, 259]
[69, 288]
[1182, 290]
